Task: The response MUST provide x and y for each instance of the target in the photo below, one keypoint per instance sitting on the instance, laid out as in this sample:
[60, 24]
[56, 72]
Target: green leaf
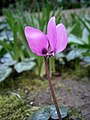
[74, 39]
[2, 52]
[4, 72]
[87, 26]
[29, 59]
[8, 47]
[9, 63]
[63, 111]
[24, 66]
[40, 115]
[70, 29]
[59, 56]
[73, 54]
[87, 53]
[87, 59]
[49, 112]
[85, 35]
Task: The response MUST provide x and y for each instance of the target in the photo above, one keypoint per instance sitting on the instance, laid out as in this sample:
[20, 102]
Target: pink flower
[48, 44]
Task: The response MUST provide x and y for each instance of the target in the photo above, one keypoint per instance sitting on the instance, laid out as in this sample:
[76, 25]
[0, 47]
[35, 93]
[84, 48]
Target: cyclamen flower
[48, 44]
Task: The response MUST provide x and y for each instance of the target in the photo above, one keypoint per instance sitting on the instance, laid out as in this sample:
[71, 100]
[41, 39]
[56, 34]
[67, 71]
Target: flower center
[48, 52]
[44, 51]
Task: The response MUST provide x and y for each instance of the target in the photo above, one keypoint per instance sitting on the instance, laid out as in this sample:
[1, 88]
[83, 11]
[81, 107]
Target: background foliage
[78, 30]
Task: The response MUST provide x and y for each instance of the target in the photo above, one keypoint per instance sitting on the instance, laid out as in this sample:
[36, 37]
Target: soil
[68, 92]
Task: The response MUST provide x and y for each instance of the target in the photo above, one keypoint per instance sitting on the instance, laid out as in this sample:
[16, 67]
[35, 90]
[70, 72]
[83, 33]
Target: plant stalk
[52, 90]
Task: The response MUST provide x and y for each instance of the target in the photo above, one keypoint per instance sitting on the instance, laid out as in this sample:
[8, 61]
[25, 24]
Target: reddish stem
[52, 90]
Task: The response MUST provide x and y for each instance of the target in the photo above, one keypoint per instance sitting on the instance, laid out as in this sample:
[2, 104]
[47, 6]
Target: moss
[22, 82]
[14, 108]
[74, 113]
[79, 74]
[11, 106]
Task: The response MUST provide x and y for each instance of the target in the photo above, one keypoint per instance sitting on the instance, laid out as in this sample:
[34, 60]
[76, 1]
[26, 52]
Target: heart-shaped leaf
[24, 66]
[49, 112]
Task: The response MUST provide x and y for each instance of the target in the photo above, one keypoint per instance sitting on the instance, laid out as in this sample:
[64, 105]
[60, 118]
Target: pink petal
[51, 33]
[62, 38]
[37, 40]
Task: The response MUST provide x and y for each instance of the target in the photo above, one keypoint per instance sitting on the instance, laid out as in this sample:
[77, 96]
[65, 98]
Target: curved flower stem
[52, 90]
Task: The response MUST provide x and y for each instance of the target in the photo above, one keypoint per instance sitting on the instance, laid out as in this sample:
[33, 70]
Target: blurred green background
[30, 4]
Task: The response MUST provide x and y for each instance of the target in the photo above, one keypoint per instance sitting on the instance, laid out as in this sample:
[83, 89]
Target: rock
[73, 117]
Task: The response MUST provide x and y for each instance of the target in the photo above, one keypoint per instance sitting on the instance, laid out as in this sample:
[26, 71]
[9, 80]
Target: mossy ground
[13, 97]
[78, 74]
[16, 94]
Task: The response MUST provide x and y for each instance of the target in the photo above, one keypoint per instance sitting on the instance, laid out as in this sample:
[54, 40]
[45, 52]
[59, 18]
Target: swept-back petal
[51, 33]
[62, 38]
[37, 40]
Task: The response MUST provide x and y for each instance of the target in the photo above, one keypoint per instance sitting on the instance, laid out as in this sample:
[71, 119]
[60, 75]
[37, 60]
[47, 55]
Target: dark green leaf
[47, 112]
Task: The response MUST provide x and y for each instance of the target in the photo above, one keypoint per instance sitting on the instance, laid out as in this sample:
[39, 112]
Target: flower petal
[62, 38]
[51, 33]
[37, 40]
